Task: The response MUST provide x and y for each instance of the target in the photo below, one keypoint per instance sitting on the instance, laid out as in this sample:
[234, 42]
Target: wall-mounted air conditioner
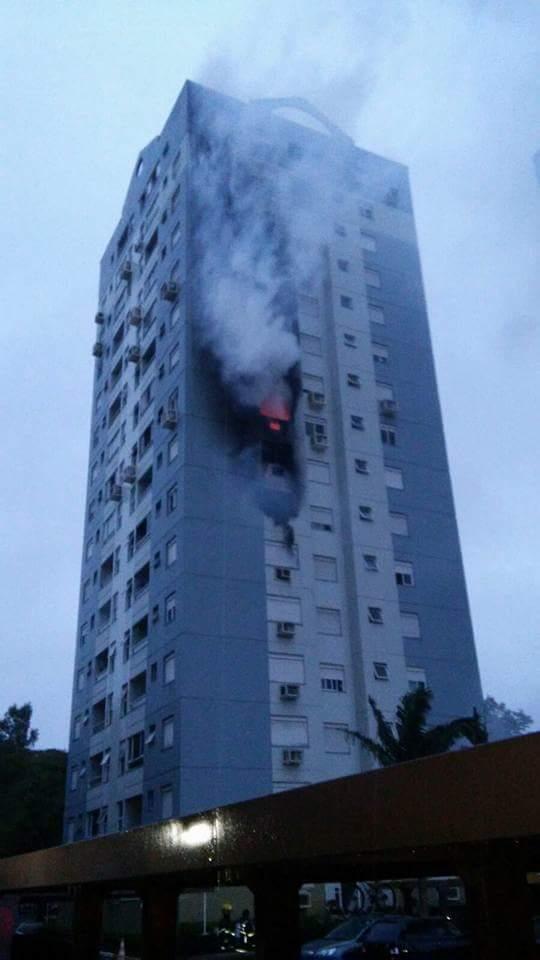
[292, 758]
[289, 691]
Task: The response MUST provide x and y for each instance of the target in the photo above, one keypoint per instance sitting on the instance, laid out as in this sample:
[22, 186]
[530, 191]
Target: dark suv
[412, 938]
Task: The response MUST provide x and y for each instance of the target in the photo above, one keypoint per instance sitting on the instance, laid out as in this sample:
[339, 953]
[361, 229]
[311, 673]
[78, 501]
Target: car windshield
[348, 930]
[386, 931]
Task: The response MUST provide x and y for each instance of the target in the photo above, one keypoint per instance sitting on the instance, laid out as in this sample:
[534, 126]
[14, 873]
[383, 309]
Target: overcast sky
[449, 87]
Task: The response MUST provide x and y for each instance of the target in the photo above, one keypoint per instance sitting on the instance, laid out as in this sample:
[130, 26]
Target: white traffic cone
[121, 955]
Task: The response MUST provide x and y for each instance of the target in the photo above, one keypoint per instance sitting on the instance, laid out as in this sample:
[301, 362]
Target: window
[410, 625]
[167, 733]
[384, 391]
[404, 574]
[309, 306]
[283, 669]
[321, 518]
[329, 621]
[376, 313]
[375, 615]
[373, 277]
[416, 679]
[175, 235]
[357, 423]
[388, 435]
[349, 340]
[353, 380]
[289, 731]
[151, 246]
[175, 315]
[380, 353]
[343, 265]
[172, 449]
[170, 608]
[172, 499]
[318, 472]
[340, 230]
[325, 568]
[282, 573]
[89, 548]
[332, 677]
[311, 344]
[346, 302]
[135, 754]
[313, 387]
[169, 668]
[80, 680]
[361, 466]
[166, 802]
[77, 727]
[366, 211]
[137, 690]
[393, 477]
[380, 670]
[170, 552]
[283, 609]
[316, 431]
[174, 357]
[336, 738]
[74, 778]
[365, 512]
[141, 579]
[83, 634]
[368, 242]
[370, 562]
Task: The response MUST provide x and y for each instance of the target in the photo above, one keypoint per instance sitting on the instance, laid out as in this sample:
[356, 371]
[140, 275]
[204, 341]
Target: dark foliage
[31, 787]
[410, 738]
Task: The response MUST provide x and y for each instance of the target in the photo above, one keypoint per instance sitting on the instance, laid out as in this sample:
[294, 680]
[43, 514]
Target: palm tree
[413, 738]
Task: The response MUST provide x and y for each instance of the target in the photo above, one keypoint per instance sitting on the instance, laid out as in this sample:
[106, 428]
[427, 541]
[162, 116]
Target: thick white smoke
[256, 232]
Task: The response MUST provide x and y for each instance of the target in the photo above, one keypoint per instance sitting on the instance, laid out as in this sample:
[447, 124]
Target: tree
[15, 730]
[413, 738]
[31, 786]
[501, 722]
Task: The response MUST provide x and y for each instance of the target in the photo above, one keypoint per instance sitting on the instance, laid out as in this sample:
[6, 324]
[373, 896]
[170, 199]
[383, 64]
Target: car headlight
[327, 951]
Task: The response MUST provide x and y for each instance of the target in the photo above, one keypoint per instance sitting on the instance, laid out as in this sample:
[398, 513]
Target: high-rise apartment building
[270, 534]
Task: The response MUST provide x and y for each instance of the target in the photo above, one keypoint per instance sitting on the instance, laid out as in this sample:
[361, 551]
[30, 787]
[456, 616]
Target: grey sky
[450, 87]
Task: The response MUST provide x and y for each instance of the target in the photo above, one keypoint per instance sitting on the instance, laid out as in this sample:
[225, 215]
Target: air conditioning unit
[126, 270]
[170, 417]
[170, 291]
[134, 316]
[388, 408]
[128, 474]
[134, 354]
[285, 630]
[97, 349]
[292, 758]
[99, 318]
[289, 691]
[316, 400]
[319, 441]
[115, 492]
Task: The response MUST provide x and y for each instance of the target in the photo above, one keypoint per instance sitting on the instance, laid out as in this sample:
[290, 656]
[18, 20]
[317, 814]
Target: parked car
[342, 938]
[413, 938]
